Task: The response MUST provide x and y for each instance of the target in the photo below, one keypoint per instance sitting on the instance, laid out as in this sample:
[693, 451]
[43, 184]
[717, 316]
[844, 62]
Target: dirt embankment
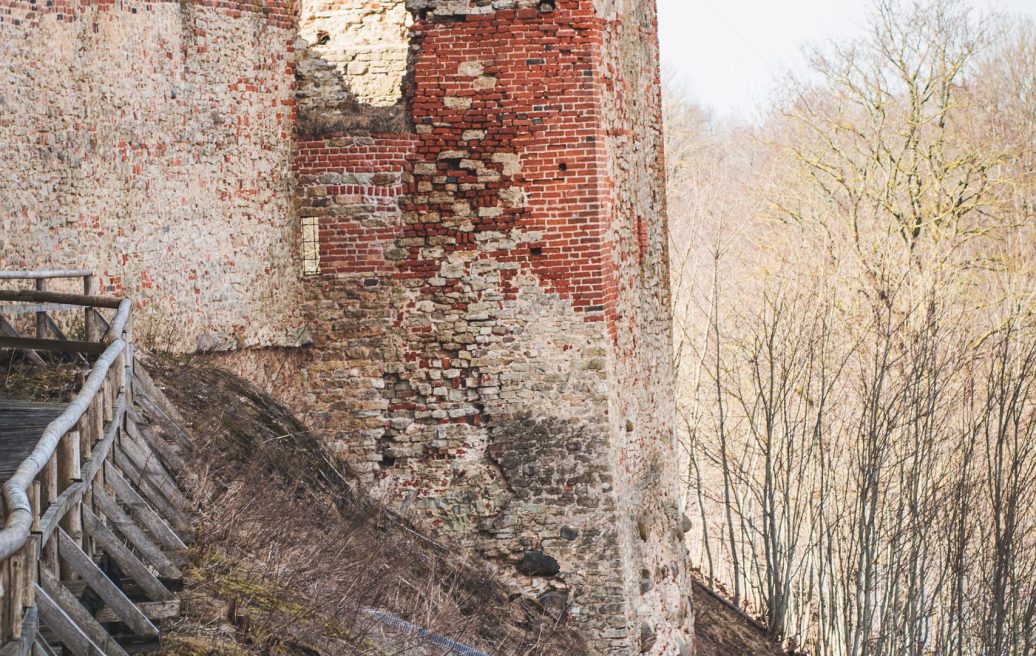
[290, 558]
[722, 630]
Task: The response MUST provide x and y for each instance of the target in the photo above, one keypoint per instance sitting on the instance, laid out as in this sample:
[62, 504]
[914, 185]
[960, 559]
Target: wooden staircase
[96, 527]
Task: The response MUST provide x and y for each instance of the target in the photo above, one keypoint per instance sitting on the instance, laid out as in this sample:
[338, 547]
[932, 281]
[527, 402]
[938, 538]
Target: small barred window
[310, 246]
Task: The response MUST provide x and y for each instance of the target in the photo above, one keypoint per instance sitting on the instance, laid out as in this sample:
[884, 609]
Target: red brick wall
[542, 106]
[544, 65]
[493, 353]
[353, 184]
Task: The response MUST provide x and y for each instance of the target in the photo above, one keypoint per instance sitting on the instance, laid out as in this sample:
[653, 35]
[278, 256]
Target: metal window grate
[310, 246]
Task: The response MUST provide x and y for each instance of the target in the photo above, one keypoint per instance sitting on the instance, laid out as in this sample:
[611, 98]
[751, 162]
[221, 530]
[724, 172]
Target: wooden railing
[64, 504]
[41, 302]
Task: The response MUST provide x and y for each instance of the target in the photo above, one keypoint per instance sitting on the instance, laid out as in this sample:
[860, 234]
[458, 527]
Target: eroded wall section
[490, 317]
[365, 42]
[152, 142]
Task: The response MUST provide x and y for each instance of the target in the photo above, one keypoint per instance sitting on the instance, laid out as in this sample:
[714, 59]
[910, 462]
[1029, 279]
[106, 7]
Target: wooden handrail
[52, 345]
[30, 296]
[59, 514]
[39, 301]
[16, 500]
[45, 275]
[33, 308]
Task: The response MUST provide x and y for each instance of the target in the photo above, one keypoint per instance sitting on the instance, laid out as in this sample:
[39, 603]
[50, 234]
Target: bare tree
[856, 345]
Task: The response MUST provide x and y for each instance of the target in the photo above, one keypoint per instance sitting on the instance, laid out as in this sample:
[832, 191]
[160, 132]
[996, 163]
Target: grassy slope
[288, 551]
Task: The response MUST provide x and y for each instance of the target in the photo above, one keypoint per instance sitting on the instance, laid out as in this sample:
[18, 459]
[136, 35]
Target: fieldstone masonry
[487, 336]
[153, 143]
[365, 42]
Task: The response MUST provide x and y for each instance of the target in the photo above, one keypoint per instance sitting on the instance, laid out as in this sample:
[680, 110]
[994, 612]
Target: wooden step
[155, 611]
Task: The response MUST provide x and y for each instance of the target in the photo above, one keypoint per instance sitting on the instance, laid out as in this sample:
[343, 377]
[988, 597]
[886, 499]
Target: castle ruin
[434, 228]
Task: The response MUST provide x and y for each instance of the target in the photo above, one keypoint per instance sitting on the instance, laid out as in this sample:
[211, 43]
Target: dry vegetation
[289, 554]
[22, 380]
[857, 345]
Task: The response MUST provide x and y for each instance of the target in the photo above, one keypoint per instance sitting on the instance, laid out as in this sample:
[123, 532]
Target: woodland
[854, 286]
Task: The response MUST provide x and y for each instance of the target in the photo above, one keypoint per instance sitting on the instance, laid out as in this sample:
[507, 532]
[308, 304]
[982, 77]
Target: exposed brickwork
[494, 350]
[153, 142]
[353, 184]
[511, 154]
[489, 326]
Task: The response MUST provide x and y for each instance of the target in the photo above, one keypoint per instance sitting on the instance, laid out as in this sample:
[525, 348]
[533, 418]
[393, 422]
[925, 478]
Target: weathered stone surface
[366, 42]
[354, 61]
[685, 524]
[681, 647]
[482, 181]
[152, 143]
[556, 603]
[509, 382]
[648, 638]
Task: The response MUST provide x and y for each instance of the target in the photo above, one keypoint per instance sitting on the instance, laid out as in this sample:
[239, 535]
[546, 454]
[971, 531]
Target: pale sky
[730, 54]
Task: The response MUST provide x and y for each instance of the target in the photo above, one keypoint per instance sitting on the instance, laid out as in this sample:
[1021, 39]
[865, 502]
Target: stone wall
[481, 182]
[152, 142]
[642, 405]
[490, 320]
[366, 42]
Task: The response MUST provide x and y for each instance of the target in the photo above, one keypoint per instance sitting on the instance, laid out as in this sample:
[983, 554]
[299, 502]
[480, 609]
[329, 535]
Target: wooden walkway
[92, 542]
[21, 425]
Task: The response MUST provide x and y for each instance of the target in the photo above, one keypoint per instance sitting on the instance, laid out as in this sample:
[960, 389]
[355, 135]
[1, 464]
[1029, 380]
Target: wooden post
[49, 491]
[41, 317]
[107, 399]
[16, 594]
[90, 428]
[69, 471]
[131, 362]
[93, 334]
[128, 354]
[35, 501]
[91, 425]
[32, 558]
[5, 601]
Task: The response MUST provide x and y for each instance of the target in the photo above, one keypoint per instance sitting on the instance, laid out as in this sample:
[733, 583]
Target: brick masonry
[488, 335]
[491, 320]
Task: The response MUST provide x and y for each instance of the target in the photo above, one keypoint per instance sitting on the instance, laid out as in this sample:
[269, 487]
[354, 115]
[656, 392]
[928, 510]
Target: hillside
[290, 558]
[721, 630]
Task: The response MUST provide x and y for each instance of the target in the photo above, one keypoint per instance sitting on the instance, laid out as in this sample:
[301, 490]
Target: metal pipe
[16, 501]
[424, 635]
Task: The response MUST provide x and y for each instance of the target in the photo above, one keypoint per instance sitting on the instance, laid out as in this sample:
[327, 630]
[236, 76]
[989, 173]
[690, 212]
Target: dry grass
[722, 630]
[23, 381]
[288, 553]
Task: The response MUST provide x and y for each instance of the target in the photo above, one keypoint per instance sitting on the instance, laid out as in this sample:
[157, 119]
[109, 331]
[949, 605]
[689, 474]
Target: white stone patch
[471, 69]
[454, 102]
[512, 163]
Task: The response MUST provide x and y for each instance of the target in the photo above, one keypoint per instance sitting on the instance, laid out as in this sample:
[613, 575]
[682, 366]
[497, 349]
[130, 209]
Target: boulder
[537, 563]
